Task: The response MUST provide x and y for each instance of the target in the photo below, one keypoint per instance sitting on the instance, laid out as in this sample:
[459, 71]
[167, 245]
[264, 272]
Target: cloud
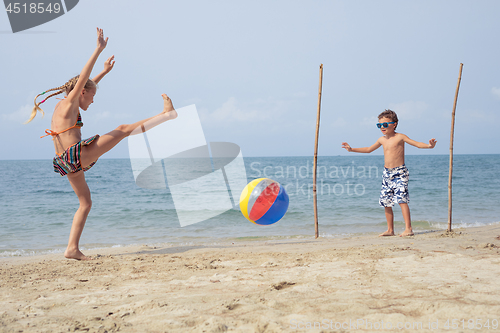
[105, 115]
[340, 122]
[233, 111]
[98, 116]
[409, 110]
[369, 121]
[20, 115]
[481, 116]
[496, 92]
[230, 111]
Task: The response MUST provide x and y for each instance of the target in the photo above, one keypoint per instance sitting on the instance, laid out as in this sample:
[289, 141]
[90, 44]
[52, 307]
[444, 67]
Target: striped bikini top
[78, 123]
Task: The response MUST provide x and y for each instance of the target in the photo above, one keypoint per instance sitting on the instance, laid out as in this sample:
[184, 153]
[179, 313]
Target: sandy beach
[367, 283]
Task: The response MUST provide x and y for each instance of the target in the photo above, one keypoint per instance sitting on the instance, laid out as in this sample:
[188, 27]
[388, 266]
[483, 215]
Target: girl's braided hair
[67, 88]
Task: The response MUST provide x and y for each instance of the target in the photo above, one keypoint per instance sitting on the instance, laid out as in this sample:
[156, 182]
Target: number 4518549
[32, 8]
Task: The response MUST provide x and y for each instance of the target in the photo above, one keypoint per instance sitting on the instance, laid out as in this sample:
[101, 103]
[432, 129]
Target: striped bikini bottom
[69, 161]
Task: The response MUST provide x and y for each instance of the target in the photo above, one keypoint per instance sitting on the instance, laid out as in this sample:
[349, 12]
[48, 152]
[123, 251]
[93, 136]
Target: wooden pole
[315, 199]
[451, 148]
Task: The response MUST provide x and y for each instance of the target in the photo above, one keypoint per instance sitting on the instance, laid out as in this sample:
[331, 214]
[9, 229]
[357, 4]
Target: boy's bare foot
[167, 104]
[75, 254]
[407, 233]
[387, 233]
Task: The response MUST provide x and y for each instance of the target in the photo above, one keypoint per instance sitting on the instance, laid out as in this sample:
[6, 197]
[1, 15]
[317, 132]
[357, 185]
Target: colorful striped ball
[264, 201]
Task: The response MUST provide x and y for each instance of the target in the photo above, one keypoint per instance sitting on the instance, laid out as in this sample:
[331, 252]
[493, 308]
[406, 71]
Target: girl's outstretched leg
[77, 181]
[107, 141]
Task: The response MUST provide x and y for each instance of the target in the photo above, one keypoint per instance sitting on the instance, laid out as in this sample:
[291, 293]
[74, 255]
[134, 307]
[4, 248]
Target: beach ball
[264, 201]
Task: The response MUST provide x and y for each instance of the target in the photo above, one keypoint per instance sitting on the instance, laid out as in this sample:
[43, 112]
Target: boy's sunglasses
[379, 125]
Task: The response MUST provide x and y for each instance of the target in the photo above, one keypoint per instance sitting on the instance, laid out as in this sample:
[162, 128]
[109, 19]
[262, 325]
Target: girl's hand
[108, 64]
[101, 42]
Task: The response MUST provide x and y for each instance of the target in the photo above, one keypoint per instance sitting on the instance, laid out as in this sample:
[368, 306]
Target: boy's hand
[346, 146]
[432, 143]
[108, 64]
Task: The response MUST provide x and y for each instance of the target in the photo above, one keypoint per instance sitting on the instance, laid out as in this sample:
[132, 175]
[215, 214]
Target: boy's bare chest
[392, 144]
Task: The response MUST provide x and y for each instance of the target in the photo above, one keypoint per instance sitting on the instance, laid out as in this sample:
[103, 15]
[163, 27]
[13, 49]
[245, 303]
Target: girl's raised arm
[108, 66]
[87, 69]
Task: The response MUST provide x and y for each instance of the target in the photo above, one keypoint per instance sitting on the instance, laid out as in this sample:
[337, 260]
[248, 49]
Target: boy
[395, 175]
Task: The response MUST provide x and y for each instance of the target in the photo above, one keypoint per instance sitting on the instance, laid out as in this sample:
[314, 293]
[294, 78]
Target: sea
[37, 205]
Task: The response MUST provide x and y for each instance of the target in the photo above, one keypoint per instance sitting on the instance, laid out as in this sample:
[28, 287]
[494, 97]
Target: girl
[75, 155]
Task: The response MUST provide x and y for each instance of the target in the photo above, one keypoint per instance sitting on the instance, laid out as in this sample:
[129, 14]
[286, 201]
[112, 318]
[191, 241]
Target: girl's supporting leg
[107, 141]
[77, 181]
[405, 210]
[389, 215]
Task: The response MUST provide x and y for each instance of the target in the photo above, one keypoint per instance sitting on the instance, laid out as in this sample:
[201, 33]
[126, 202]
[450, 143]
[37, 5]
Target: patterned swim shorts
[394, 186]
[69, 161]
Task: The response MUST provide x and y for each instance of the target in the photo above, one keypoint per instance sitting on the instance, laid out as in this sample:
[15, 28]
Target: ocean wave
[462, 224]
[28, 253]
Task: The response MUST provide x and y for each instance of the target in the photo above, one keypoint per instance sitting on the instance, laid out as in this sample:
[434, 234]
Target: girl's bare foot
[167, 104]
[75, 254]
[387, 233]
[407, 232]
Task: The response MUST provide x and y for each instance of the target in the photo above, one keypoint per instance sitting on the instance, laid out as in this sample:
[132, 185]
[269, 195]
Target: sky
[252, 70]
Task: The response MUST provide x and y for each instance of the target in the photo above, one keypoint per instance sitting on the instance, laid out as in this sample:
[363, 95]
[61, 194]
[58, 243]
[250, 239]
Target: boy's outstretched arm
[373, 147]
[108, 66]
[430, 145]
